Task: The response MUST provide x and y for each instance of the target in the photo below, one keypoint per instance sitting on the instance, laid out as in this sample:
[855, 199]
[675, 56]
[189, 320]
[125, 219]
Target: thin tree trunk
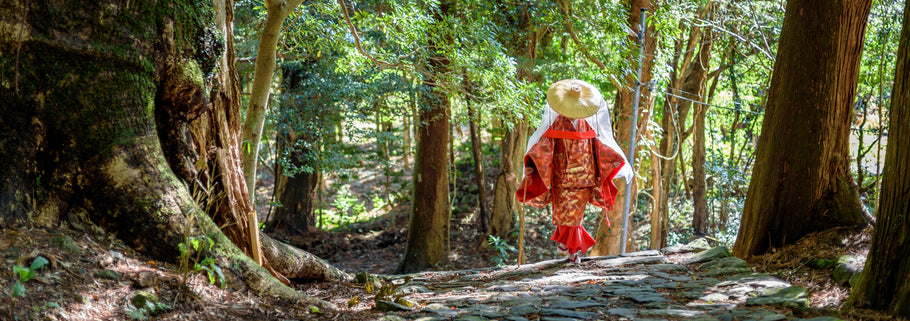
[658, 224]
[699, 79]
[801, 181]
[514, 139]
[608, 237]
[476, 147]
[266, 54]
[885, 282]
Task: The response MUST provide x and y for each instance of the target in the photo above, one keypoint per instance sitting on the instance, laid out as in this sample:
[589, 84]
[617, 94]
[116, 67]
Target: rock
[791, 297]
[847, 267]
[108, 274]
[726, 262]
[145, 279]
[646, 297]
[66, 243]
[641, 253]
[529, 301]
[524, 310]
[708, 255]
[675, 313]
[749, 315]
[383, 305]
[622, 261]
[712, 297]
[667, 268]
[699, 244]
[412, 288]
[622, 312]
[391, 317]
[582, 315]
[142, 298]
[820, 264]
[727, 271]
[574, 304]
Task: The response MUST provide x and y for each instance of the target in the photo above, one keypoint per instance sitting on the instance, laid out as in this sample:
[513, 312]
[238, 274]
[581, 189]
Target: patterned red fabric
[578, 172]
[576, 238]
[570, 173]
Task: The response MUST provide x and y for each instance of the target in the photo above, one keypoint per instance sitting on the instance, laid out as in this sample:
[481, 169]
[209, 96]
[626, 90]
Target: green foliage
[385, 290]
[193, 250]
[500, 249]
[26, 274]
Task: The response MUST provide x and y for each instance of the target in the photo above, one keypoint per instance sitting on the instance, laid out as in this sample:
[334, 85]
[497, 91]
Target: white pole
[631, 156]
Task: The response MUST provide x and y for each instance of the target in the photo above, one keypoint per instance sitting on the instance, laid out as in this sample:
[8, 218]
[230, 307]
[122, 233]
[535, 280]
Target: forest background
[345, 109]
[388, 136]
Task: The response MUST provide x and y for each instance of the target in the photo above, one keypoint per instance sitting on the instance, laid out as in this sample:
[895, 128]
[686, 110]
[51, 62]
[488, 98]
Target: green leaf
[24, 274]
[18, 289]
[38, 263]
[195, 243]
[219, 273]
[314, 309]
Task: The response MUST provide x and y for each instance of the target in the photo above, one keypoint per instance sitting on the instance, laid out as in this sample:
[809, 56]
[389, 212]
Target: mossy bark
[83, 94]
[801, 181]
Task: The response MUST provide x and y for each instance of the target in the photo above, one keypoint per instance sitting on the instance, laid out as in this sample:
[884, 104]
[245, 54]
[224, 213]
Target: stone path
[682, 282]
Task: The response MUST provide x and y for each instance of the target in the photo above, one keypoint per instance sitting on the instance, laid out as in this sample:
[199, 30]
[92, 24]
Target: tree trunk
[695, 84]
[608, 237]
[278, 11]
[885, 281]
[297, 198]
[477, 153]
[302, 118]
[801, 181]
[91, 139]
[505, 205]
[430, 218]
[515, 139]
[658, 223]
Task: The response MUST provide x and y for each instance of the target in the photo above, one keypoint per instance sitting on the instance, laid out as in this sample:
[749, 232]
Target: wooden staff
[521, 224]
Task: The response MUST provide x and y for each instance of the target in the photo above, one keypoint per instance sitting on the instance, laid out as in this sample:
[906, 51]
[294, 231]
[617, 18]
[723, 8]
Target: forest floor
[95, 277]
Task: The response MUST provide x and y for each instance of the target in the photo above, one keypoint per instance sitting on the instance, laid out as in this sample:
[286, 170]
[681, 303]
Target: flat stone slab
[793, 296]
[675, 313]
[708, 255]
[625, 261]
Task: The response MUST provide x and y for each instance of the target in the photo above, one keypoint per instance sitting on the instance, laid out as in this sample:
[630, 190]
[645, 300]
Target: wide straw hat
[574, 98]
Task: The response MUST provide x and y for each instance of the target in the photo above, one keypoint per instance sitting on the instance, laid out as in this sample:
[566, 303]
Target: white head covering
[602, 126]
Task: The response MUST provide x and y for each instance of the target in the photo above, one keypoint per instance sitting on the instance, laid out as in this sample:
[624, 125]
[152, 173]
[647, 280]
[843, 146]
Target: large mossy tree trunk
[608, 236]
[83, 96]
[885, 282]
[801, 181]
[430, 218]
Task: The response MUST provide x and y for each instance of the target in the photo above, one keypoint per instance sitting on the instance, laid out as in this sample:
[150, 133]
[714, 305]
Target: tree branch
[564, 5]
[347, 19]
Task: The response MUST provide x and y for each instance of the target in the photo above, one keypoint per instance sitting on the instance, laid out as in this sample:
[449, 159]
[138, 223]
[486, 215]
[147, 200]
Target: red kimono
[569, 168]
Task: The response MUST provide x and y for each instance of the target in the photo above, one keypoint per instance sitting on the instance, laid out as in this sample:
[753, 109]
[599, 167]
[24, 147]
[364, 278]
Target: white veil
[602, 126]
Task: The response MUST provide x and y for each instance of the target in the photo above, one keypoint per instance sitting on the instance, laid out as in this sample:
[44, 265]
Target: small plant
[384, 291]
[26, 274]
[500, 249]
[145, 304]
[199, 246]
